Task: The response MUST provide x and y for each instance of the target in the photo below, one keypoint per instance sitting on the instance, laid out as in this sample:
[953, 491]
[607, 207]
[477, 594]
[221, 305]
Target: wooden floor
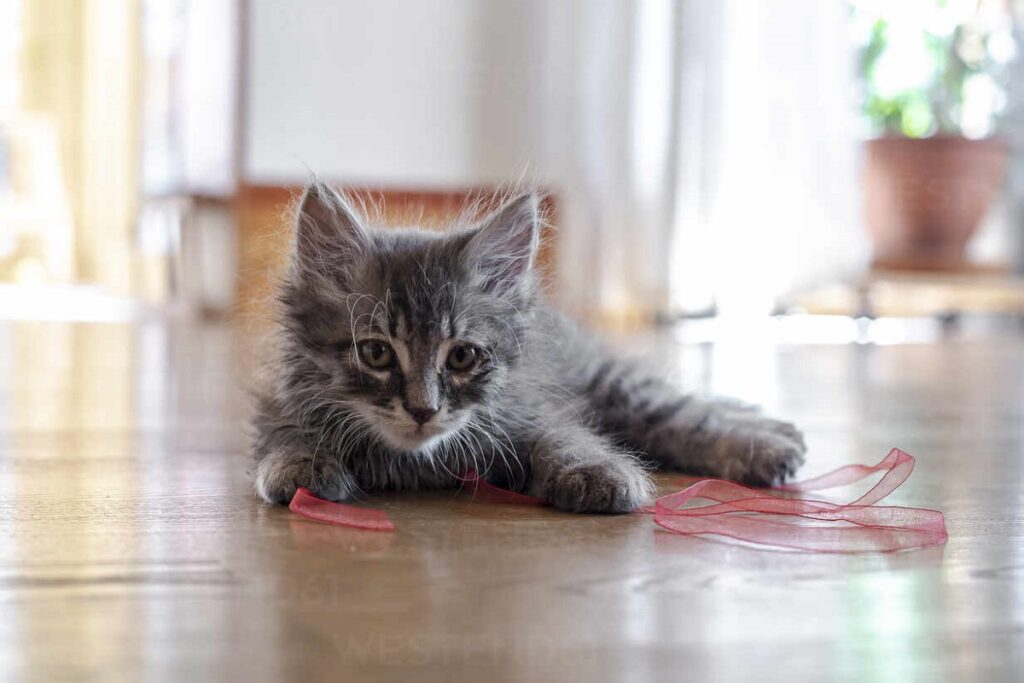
[132, 549]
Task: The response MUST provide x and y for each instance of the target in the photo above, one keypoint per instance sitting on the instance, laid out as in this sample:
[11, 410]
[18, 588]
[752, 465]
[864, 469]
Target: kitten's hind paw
[761, 452]
[610, 487]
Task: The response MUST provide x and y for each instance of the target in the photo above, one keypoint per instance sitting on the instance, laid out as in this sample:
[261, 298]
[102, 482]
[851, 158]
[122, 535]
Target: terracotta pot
[925, 198]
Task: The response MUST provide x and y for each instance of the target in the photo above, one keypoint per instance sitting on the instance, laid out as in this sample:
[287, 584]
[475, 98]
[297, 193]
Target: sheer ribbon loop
[762, 519]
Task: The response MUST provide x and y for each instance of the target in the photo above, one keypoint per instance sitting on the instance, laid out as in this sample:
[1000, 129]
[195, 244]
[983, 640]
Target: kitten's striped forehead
[405, 308]
[420, 298]
[420, 290]
[405, 326]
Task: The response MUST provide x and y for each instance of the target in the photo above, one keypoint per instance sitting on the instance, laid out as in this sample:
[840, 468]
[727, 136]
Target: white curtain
[609, 94]
[704, 152]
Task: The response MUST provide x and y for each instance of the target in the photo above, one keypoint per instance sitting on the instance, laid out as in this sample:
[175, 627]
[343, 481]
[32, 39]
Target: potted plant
[933, 76]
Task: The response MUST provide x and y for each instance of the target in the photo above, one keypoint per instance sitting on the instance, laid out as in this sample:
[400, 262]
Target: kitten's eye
[462, 357]
[376, 354]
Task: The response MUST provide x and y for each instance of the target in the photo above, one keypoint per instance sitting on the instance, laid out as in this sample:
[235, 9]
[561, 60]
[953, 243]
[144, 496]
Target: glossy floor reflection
[131, 548]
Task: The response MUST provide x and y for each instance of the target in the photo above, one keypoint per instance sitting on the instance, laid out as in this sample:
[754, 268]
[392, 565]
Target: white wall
[438, 93]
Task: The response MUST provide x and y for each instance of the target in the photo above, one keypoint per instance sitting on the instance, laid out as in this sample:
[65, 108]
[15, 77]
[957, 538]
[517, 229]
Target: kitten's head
[413, 332]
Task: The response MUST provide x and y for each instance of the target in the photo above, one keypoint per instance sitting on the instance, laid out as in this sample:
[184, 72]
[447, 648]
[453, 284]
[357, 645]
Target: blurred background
[846, 169]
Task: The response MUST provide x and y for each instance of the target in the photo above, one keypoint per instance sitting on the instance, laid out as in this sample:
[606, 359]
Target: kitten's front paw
[611, 487]
[761, 452]
[279, 475]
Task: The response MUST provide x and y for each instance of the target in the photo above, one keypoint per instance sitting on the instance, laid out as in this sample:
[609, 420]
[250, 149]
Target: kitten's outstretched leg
[284, 461]
[578, 470]
[719, 438]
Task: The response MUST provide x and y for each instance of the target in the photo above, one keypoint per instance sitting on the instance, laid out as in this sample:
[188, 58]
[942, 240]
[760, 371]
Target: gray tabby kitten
[410, 357]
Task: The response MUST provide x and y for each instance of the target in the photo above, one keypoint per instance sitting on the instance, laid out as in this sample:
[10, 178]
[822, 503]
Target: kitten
[409, 357]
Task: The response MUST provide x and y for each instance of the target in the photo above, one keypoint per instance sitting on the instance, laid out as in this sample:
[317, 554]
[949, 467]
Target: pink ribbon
[740, 513]
[753, 516]
[306, 504]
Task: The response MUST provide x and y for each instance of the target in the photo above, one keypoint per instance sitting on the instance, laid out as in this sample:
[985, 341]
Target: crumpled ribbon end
[306, 504]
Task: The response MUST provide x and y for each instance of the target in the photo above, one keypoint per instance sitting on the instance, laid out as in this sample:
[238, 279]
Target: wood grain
[131, 547]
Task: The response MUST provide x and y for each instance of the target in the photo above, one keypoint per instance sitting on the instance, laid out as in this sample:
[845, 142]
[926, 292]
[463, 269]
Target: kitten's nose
[421, 415]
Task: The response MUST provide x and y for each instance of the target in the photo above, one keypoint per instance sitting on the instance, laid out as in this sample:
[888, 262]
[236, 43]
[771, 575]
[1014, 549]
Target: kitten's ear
[328, 232]
[505, 245]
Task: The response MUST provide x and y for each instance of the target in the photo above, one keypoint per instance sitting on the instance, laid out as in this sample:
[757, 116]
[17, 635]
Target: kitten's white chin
[411, 441]
[412, 438]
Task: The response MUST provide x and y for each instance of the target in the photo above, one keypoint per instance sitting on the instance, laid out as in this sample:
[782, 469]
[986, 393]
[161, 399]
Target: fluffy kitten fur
[541, 407]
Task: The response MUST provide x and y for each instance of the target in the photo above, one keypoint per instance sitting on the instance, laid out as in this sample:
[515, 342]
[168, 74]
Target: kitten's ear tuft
[327, 229]
[505, 245]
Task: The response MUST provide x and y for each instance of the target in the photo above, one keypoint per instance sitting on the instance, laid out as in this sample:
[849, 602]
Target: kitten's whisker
[511, 446]
[513, 454]
[470, 433]
[495, 452]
